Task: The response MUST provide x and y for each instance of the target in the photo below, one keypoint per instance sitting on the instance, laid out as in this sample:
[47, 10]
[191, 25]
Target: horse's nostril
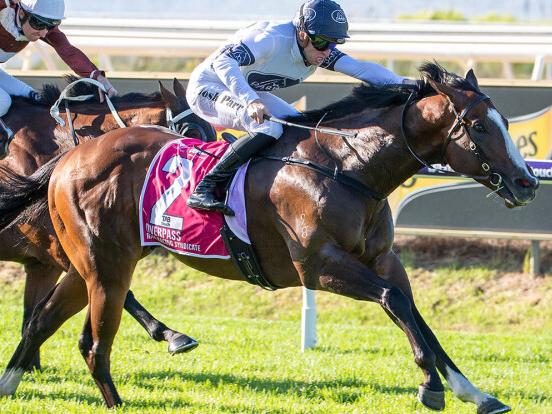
[526, 183]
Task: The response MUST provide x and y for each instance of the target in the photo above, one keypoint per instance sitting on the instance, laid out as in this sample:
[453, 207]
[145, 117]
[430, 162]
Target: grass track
[248, 359]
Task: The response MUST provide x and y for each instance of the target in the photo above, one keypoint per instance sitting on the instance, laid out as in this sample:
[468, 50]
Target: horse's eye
[479, 127]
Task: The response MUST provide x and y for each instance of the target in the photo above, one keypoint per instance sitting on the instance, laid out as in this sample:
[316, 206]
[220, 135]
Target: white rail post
[534, 261]
[308, 322]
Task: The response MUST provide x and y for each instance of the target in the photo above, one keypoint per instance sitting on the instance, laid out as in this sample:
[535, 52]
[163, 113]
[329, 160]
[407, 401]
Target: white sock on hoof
[10, 381]
[464, 389]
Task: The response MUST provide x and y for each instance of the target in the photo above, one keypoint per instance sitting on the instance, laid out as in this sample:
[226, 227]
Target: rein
[54, 110]
[459, 123]
[329, 131]
[172, 122]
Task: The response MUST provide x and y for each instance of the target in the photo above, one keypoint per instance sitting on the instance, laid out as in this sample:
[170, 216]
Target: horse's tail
[17, 192]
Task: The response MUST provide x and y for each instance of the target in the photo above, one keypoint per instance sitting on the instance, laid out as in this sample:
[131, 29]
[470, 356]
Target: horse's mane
[50, 94]
[381, 96]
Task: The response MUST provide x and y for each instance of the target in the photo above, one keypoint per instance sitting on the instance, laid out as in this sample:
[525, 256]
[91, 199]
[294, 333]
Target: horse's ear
[445, 90]
[470, 77]
[178, 88]
[169, 98]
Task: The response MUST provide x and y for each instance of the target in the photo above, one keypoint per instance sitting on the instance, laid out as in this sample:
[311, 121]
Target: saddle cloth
[166, 220]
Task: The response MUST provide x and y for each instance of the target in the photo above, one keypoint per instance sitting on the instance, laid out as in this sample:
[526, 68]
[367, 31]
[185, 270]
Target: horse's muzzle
[519, 190]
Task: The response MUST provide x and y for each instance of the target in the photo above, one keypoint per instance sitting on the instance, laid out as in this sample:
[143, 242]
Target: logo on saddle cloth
[165, 220]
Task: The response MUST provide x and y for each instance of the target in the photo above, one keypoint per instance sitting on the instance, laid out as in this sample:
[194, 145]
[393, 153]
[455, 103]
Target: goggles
[41, 23]
[322, 43]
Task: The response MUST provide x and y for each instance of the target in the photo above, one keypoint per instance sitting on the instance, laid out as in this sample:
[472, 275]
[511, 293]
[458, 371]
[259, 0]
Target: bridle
[176, 125]
[460, 125]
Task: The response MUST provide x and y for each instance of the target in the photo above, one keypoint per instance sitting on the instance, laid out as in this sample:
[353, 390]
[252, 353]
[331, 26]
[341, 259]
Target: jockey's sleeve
[364, 71]
[227, 64]
[72, 56]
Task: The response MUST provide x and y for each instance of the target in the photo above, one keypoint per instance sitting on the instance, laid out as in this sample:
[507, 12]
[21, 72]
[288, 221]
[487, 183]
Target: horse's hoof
[434, 400]
[10, 381]
[181, 343]
[492, 406]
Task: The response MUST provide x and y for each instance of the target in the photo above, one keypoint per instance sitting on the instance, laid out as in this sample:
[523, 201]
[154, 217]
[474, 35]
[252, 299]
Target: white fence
[463, 43]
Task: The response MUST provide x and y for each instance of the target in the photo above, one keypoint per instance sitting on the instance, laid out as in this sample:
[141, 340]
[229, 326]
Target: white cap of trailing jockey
[50, 9]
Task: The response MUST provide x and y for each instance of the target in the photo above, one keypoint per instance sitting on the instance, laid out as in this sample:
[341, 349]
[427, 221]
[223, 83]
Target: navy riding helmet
[323, 18]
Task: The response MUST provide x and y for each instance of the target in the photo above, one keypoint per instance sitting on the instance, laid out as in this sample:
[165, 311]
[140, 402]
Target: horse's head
[476, 139]
[180, 117]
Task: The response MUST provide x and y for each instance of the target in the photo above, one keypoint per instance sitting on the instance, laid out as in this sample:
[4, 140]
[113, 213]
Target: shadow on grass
[354, 351]
[310, 389]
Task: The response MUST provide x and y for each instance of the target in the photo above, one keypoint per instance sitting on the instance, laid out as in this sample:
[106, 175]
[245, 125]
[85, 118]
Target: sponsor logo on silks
[309, 14]
[339, 17]
[240, 53]
[333, 57]
[267, 83]
[231, 103]
[211, 95]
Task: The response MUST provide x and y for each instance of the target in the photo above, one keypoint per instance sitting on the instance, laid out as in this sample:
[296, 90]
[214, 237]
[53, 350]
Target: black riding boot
[6, 135]
[203, 197]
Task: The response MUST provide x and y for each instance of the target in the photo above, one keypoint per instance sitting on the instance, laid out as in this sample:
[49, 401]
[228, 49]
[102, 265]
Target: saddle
[165, 220]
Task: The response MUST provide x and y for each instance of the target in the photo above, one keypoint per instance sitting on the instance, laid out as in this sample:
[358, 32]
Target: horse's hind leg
[106, 300]
[178, 342]
[393, 270]
[40, 279]
[62, 302]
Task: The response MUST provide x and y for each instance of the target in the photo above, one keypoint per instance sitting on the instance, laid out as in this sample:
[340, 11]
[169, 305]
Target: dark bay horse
[330, 232]
[29, 239]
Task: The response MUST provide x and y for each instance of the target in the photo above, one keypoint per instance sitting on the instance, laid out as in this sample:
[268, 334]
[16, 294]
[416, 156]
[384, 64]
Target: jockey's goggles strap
[54, 110]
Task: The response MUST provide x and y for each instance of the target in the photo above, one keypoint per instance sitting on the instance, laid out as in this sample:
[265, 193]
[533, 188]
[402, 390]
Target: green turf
[248, 360]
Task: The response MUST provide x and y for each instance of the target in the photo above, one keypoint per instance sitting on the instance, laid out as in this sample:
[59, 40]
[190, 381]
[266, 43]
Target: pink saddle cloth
[165, 219]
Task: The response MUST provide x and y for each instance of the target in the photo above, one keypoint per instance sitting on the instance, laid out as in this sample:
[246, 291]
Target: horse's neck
[379, 156]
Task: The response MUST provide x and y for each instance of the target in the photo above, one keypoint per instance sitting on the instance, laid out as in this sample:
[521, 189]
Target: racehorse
[30, 239]
[325, 224]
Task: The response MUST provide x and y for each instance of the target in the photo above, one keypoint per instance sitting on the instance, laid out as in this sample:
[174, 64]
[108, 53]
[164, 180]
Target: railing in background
[466, 44]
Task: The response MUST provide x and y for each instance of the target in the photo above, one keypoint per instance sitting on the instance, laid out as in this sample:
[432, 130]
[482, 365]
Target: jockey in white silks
[24, 21]
[232, 87]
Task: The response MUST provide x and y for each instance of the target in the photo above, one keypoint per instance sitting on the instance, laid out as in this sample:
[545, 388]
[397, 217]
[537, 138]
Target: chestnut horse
[330, 231]
[30, 239]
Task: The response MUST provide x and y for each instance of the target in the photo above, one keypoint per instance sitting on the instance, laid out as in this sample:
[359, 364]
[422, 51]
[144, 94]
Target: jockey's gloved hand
[36, 98]
[100, 77]
[257, 110]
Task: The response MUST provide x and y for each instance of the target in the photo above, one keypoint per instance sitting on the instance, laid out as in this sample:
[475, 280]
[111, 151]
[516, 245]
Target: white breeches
[10, 86]
[214, 102]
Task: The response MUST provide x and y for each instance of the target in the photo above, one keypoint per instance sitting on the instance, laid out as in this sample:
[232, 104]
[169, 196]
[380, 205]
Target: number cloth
[165, 219]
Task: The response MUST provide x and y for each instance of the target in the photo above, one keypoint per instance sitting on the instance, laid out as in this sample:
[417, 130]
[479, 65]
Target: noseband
[459, 124]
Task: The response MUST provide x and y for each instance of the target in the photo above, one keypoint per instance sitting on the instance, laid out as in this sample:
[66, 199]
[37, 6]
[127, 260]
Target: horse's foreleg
[157, 330]
[341, 273]
[40, 279]
[62, 302]
[391, 268]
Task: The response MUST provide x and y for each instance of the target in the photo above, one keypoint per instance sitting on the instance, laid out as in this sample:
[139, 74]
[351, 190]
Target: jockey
[231, 88]
[24, 21]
